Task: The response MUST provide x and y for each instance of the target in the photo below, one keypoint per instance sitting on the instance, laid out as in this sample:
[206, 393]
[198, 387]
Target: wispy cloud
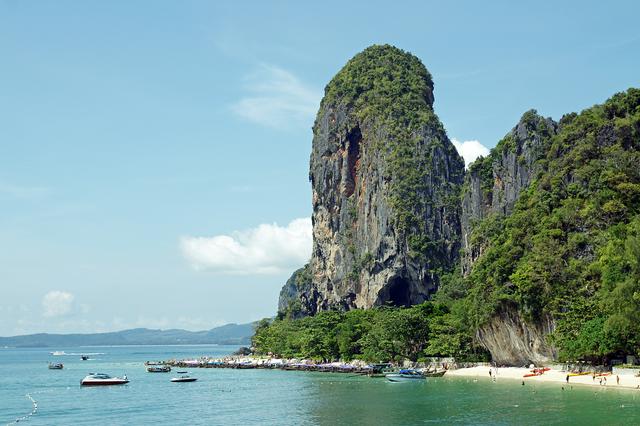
[57, 303]
[277, 98]
[470, 150]
[266, 249]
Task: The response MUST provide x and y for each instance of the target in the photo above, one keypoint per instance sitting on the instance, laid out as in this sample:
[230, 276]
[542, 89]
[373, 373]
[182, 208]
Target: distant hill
[229, 334]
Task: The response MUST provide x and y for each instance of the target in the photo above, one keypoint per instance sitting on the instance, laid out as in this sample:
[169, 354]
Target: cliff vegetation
[533, 253]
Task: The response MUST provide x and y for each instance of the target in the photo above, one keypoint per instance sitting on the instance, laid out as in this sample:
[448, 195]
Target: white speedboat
[405, 376]
[183, 379]
[56, 366]
[101, 379]
[57, 353]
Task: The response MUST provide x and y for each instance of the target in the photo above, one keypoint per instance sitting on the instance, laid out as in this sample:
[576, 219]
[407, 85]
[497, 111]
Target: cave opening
[398, 289]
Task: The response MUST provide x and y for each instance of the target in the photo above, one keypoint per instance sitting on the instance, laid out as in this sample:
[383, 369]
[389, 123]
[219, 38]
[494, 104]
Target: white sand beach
[551, 376]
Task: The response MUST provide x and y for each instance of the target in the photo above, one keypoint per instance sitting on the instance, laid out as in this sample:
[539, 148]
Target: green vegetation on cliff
[391, 92]
[569, 250]
[550, 222]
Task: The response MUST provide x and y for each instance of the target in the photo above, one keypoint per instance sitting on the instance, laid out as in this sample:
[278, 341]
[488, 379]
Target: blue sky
[154, 155]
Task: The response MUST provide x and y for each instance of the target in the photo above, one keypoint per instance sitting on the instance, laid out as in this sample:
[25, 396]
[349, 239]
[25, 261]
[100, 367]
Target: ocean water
[273, 397]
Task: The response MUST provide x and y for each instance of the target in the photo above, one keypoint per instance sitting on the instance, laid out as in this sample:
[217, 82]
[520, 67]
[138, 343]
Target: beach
[551, 376]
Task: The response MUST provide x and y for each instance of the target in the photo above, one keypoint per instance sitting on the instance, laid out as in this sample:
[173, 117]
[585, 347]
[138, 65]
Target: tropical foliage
[380, 334]
[570, 249]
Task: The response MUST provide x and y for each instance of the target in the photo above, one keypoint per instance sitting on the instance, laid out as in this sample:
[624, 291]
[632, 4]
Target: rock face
[492, 187]
[512, 341]
[493, 184]
[385, 180]
[393, 208]
[298, 297]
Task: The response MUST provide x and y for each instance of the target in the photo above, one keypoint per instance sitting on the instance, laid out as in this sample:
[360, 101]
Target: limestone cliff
[513, 341]
[393, 211]
[298, 296]
[385, 180]
[493, 184]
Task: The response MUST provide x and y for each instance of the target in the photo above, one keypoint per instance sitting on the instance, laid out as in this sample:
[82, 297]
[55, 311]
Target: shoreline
[358, 367]
[626, 381]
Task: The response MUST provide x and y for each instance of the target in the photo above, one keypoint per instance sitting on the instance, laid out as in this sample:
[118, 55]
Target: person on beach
[567, 378]
[617, 380]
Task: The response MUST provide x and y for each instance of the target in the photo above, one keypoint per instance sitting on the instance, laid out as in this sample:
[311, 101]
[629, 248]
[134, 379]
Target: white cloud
[57, 303]
[277, 98]
[266, 249]
[470, 150]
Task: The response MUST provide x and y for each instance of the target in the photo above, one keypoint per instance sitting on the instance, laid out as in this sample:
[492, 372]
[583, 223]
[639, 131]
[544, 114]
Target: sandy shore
[551, 376]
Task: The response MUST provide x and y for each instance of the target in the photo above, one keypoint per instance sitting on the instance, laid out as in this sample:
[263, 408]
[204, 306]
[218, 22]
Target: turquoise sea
[272, 397]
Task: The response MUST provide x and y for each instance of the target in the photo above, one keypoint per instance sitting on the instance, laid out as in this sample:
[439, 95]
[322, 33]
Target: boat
[56, 366]
[101, 379]
[434, 373]
[57, 353]
[158, 369]
[377, 370]
[183, 379]
[84, 357]
[585, 373]
[405, 376]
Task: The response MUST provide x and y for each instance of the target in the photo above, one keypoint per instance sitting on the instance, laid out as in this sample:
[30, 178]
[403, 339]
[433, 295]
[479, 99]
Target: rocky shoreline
[266, 363]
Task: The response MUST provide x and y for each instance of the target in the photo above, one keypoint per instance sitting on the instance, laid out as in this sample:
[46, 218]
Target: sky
[154, 154]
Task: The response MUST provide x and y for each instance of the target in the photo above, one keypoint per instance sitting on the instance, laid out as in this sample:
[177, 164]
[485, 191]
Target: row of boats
[101, 379]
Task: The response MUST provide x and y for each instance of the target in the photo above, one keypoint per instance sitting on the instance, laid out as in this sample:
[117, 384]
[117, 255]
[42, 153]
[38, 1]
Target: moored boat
[183, 379]
[405, 376]
[158, 369]
[434, 373]
[101, 379]
[56, 366]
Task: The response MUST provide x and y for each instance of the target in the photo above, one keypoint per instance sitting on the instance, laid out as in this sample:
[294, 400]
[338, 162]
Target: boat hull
[103, 382]
[404, 378]
[183, 379]
[436, 374]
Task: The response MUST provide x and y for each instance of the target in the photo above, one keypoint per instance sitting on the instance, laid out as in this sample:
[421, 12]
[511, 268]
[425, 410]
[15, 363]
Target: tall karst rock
[385, 181]
[492, 186]
[493, 183]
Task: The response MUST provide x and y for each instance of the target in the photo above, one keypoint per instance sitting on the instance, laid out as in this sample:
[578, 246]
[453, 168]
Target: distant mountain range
[229, 334]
